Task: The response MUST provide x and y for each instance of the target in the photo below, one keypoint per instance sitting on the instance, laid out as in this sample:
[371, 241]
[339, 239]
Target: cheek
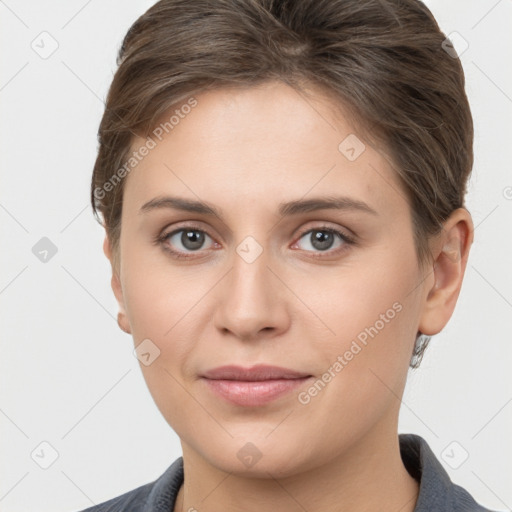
[160, 306]
[370, 316]
[365, 364]
[169, 307]
[157, 296]
[348, 300]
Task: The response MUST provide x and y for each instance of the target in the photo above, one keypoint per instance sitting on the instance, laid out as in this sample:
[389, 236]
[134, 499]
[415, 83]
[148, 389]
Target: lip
[255, 373]
[253, 386]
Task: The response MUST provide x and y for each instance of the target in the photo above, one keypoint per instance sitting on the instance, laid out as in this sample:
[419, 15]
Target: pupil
[321, 240]
[192, 239]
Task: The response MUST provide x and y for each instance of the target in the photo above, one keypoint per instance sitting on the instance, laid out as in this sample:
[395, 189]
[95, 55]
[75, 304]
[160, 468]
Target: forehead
[261, 145]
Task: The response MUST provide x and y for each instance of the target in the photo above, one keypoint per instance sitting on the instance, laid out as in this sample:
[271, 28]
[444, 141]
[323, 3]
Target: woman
[282, 187]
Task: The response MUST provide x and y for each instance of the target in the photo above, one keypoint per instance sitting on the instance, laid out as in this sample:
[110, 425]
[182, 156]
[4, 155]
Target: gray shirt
[437, 492]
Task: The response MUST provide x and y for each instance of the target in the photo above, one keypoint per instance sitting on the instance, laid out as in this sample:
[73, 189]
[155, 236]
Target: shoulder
[157, 496]
[133, 501]
[437, 491]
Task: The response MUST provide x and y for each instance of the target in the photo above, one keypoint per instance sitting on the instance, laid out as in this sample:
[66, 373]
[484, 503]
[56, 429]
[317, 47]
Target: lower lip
[253, 393]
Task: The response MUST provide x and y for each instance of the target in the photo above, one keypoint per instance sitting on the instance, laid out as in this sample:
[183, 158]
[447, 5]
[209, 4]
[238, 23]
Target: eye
[185, 240]
[324, 239]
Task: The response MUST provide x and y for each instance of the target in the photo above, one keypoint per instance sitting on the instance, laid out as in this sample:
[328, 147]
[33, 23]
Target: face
[303, 258]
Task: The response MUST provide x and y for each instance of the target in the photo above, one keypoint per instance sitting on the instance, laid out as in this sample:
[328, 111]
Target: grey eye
[190, 239]
[320, 239]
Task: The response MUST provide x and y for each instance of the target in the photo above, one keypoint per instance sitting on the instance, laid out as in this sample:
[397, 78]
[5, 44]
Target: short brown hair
[383, 59]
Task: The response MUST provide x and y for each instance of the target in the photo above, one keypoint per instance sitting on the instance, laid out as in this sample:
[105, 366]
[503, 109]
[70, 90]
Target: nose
[252, 302]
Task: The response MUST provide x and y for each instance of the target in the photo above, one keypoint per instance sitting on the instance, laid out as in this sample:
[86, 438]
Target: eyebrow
[285, 209]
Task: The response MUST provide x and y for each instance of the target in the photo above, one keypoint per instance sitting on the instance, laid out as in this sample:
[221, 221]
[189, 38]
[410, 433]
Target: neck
[369, 477]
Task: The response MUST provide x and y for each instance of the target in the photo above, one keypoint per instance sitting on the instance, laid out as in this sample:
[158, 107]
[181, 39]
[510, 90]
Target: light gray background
[67, 373]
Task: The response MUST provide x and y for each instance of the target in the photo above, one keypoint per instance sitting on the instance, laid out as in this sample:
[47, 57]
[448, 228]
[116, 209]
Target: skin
[245, 151]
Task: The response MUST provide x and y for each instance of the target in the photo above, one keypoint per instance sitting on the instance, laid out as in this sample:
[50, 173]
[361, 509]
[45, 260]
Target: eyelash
[348, 241]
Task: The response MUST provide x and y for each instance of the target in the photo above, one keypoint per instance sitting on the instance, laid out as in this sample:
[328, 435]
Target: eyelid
[176, 227]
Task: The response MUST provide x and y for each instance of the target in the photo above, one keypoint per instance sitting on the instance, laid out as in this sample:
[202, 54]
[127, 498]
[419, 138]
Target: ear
[122, 318]
[450, 258]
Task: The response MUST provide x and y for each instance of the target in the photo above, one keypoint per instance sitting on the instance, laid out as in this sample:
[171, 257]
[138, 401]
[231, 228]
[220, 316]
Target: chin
[258, 459]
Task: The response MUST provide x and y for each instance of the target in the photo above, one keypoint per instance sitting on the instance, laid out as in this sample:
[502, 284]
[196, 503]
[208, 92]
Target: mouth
[251, 387]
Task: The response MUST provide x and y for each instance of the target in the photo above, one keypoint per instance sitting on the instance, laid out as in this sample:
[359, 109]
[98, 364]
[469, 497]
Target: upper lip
[255, 373]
